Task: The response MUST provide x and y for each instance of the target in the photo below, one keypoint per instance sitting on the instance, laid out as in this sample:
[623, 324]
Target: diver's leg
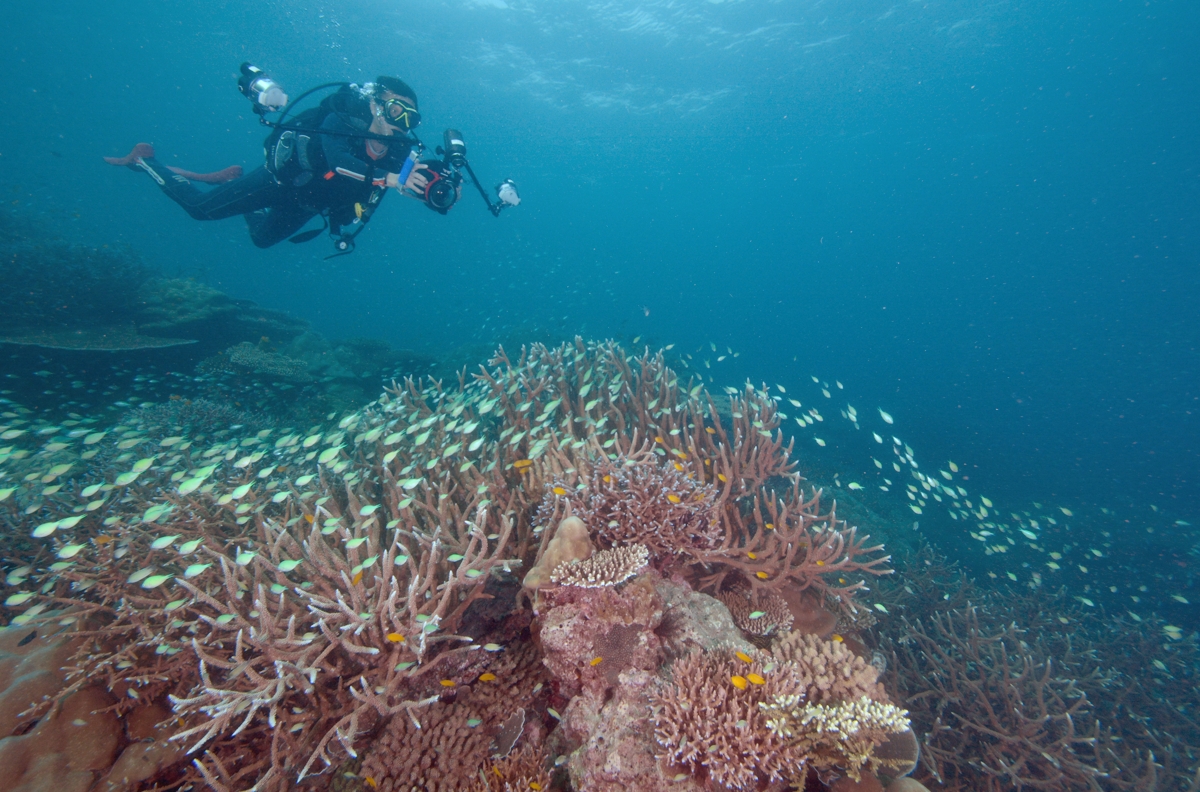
[274, 224]
[256, 190]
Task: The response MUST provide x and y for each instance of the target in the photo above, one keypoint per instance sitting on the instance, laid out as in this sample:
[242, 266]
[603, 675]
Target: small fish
[739, 682]
[880, 608]
[755, 679]
[595, 661]
[487, 677]
[521, 464]
[395, 637]
[194, 570]
[1176, 597]
[745, 658]
[447, 683]
[371, 782]
[820, 442]
[288, 566]
[559, 491]
[757, 614]
[837, 638]
[674, 498]
[1159, 665]
[761, 575]
[492, 647]
[887, 418]
[354, 581]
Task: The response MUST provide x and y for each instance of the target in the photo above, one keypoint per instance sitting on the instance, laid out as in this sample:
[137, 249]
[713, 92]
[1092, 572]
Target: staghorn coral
[842, 735]
[708, 722]
[621, 439]
[649, 503]
[291, 593]
[605, 568]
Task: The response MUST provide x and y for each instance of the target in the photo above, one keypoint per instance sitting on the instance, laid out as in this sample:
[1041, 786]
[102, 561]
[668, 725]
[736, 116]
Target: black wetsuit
[275, 211]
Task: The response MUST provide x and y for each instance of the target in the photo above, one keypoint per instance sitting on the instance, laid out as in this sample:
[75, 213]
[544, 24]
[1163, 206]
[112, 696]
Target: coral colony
[571, 570]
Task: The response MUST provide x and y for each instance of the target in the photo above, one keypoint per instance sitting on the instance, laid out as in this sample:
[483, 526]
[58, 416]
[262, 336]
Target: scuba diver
[336, 161]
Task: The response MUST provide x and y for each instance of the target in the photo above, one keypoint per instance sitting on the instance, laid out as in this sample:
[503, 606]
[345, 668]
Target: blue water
[981, 217]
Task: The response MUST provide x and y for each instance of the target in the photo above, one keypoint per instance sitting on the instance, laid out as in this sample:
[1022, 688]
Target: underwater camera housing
[441, 192]
[257, 86]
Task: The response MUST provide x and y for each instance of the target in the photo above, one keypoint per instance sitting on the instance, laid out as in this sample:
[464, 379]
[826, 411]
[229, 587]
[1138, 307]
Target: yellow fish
[488, 677]
[596, 661]
[739, 682]
[674, 498]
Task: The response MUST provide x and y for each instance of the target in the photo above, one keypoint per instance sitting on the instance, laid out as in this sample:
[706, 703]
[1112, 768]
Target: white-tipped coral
[606, 568]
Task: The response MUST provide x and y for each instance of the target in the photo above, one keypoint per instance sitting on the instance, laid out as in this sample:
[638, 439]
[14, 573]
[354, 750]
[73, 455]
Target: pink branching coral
[621, 442]
[708, 721]
[651, 503]
[742, 720]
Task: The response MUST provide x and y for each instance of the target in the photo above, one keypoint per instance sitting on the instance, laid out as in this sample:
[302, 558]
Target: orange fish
[521, 464]
[447, 683]
[608, 479]
[395, 637]
[559, 491]
[659, 440]
[309, 517]
[678, 467]
[710, 430]
[103, 539]
[371, 782]
[488, 677]
[745, 658]
[738, 682]
[597, 661]
[755, 679]
[357, 578]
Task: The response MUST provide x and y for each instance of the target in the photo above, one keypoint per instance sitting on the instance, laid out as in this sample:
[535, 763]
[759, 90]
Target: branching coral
[643, 458]
[996, 704]
[842, 735]
[743, 721]
[289, 593]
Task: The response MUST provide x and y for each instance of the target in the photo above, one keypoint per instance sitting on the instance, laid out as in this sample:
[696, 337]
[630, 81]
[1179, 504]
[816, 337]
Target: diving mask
[399, 113]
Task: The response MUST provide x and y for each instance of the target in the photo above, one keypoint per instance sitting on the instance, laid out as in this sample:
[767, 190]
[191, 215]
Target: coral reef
[1002, 696]
[303, 599]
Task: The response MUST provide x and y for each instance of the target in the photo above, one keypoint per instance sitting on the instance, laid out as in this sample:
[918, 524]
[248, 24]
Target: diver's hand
[417, 181]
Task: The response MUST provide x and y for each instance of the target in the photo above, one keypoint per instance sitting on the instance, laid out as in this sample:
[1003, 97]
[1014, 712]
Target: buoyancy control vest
[293, 150]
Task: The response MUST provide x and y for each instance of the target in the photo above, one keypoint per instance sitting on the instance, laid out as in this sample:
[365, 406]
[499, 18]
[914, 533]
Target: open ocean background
[981, 217]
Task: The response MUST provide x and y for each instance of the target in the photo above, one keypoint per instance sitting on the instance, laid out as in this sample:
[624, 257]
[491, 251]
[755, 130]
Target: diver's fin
[305, 236]
[216, 177]
[140, 151]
